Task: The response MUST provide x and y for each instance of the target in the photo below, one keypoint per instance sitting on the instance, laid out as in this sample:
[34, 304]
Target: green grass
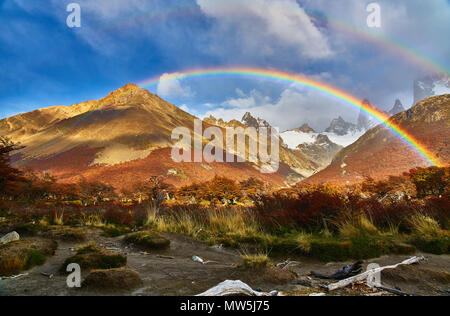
[114, 231]
[35, 258]
[255, 261]
[357, 238]
[428, 236]
[91, 256]
[21, 255]
[148, 240]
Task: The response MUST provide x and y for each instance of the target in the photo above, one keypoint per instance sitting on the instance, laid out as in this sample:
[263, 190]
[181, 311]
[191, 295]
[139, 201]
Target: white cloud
[417, 24]
[292, 109]
[244, 101]
[170, 86]
[264, 25]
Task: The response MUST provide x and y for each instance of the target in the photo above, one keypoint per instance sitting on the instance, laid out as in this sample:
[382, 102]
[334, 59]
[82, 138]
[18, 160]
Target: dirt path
[182, 276]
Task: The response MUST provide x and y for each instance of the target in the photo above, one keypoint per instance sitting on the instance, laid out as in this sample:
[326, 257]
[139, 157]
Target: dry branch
[363, 276]
[390, 290]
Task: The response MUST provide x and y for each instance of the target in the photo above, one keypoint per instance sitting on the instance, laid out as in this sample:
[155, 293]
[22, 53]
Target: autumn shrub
[432, 181]
[268, 208]
[388, 214]
[312, 210]
[118, 217]
[439, 208]
[222, 189]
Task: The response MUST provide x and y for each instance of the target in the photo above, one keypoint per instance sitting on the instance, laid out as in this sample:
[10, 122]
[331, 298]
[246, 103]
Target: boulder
[14, 236]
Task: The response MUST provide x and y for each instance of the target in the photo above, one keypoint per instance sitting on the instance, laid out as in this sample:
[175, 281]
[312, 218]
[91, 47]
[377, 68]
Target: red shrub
[439, 208]
[312, 209]
[309, 210]
[118, 217]
[392, 213]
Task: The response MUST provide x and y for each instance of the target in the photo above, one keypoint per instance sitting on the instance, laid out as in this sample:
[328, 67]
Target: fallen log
[235, 288]
[363, 276]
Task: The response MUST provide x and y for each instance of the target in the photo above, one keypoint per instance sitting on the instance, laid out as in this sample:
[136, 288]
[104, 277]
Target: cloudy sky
[43, 62]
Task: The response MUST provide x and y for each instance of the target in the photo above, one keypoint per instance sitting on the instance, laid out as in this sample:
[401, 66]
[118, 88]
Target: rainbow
[395, 46]
[389, 44]
[283, 77]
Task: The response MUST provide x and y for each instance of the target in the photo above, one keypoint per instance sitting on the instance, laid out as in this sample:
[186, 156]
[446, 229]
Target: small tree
[11, 179]
[431, 181]
[194, 192]
[95, 191]
[38, 187]
[155, 190]
[223, 190]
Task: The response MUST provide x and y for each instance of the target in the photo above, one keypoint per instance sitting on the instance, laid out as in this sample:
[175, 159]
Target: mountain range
[429, 86]
[125, 137]
[321, 147]
[379, 153]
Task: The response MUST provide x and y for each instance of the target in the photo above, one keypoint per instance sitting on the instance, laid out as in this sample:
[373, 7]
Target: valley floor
[173, 272]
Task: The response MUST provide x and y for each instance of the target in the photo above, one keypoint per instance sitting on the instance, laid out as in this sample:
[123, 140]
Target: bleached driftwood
[317, 294]
[14, 277]
[363, 276]
[233, 288]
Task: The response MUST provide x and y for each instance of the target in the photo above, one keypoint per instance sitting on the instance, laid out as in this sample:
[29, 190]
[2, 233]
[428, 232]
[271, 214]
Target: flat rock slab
[14, 236]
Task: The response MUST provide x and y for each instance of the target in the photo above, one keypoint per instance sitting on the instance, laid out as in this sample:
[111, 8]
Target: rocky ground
[173, 272]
